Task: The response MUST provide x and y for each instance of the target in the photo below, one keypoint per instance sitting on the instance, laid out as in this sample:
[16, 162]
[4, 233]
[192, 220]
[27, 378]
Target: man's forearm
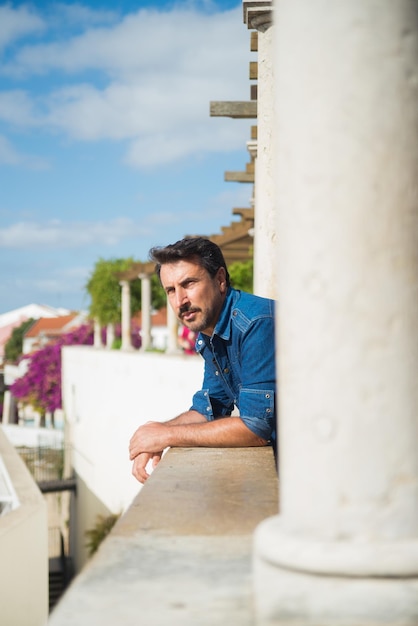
[188, 417]
[227, 432]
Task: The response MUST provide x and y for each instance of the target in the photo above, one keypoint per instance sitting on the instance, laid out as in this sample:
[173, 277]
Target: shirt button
[216, 373]
[208, 408]
[205, 393]
[200, 342]
[267, 396]
[234, 313]
[226, 370]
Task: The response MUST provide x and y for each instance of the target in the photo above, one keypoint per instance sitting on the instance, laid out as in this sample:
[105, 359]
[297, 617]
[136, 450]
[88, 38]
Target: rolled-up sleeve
[256, 399]
[209, 406]
[256, 408]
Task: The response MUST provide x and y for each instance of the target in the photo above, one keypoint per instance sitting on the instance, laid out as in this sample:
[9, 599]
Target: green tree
[158, 296]
[241, 274]
[104, 289]
[14, 346]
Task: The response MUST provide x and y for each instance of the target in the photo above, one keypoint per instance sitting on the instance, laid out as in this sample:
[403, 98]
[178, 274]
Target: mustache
[187, 308]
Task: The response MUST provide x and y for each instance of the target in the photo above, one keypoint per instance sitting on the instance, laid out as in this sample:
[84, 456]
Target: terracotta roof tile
[50, 325]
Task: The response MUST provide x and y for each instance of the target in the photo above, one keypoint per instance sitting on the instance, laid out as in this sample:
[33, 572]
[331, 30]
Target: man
[236, 340]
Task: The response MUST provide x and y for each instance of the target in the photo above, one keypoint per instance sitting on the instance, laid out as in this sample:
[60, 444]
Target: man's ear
[221, 277]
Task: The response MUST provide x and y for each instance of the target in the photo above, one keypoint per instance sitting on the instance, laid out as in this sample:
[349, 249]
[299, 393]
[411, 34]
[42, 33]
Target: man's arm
[141, 460]
[228, 432]
[188, 417]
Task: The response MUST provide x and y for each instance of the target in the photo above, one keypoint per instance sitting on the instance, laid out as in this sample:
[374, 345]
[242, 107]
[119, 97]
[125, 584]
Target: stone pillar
[146, 340]
[173, 326]
[97, 336]
[110, 336]
[258, 16]
[344, 549]
[126, 315]
[9, 408]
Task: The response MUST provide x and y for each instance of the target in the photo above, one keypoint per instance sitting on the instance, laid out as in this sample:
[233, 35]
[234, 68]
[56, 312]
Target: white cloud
[18, 108]
[57, 234]
[16, 23]
[155, 75]
[78, 14]
[9, 155]
[148, 41]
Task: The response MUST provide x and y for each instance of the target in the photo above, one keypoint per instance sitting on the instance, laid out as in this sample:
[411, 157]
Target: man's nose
[181, 297]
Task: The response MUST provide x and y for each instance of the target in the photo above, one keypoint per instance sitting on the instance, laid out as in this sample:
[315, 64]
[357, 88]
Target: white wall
[107, 394]
[23, 547]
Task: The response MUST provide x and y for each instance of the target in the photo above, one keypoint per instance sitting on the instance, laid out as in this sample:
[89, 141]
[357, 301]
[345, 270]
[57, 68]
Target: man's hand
[140, 463]
[152, 437]
[188, 429]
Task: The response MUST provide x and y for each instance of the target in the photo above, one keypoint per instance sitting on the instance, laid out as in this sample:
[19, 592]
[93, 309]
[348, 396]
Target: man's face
[195, 297]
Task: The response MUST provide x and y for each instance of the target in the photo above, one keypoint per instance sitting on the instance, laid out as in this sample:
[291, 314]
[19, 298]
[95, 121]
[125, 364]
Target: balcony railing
[182, 553]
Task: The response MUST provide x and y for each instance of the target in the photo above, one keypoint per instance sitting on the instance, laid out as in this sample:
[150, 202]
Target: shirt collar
[223, 325]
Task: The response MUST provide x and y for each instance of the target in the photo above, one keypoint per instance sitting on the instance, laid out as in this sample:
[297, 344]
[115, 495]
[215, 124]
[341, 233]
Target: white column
[126, 315]
[97, 336]
[146, 340]
[110, 335]
[344, 549]
[9, 408]
[258, 16]
[173, 326]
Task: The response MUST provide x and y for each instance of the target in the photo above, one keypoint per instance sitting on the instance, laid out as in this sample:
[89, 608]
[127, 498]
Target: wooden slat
[254, 41]
[239, 177]
[253, 133]
[234, 109]
[136, 270]
[253, 70]
[253, 92]
[246, 213]
[249, 168]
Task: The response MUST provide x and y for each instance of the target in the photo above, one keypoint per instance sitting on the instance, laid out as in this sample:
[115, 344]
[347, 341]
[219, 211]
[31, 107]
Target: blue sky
[106, 143]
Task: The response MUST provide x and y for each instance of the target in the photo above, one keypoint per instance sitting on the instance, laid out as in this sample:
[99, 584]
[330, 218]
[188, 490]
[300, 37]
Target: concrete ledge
[23, 547]
[182, 552]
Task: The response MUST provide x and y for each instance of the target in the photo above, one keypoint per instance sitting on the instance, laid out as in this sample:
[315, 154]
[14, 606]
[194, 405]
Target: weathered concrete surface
[182, 553]
[23, 546]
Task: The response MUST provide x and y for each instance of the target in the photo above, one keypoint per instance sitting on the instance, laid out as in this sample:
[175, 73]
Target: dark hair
[202, 250]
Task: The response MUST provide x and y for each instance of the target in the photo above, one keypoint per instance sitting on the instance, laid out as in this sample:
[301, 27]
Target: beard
[203, 320]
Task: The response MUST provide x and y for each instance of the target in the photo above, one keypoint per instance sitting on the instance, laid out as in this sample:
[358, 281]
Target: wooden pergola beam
[239, 177]
[136, 270]
[246, 213]
[254, 41]
[234, 109]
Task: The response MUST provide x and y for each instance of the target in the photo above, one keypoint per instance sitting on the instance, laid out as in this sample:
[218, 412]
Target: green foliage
[105, 291]
[14, 346]
[104, 525]
[241, 274]
[117, 343]
[158, 296]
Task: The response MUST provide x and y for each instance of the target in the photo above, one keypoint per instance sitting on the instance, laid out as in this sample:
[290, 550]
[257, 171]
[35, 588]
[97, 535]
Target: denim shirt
[240, 364]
